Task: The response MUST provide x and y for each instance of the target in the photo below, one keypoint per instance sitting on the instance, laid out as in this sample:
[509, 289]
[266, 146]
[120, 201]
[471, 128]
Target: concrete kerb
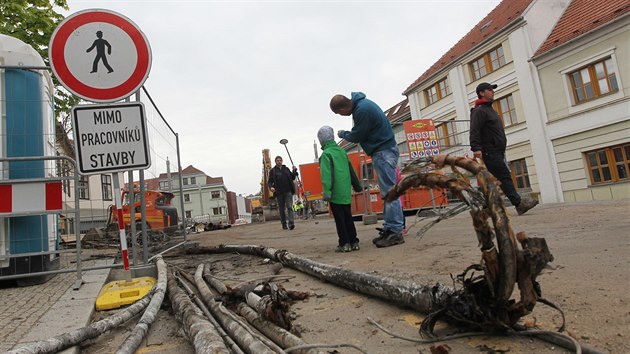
[74, 308]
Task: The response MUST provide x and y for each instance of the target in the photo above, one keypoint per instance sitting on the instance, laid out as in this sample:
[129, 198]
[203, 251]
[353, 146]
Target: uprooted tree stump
[483, 303]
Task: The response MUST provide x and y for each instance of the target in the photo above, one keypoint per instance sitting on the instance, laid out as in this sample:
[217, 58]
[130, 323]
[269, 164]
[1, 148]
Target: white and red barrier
[30, 197]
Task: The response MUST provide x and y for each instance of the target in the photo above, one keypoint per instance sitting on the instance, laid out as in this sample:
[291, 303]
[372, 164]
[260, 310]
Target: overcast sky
[235, 77]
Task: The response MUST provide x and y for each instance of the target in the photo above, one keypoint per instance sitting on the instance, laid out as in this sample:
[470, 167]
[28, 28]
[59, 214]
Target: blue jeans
[385, 162]
[285, 202]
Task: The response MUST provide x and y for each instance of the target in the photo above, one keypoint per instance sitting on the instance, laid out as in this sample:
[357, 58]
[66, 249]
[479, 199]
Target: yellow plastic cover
[123, 292]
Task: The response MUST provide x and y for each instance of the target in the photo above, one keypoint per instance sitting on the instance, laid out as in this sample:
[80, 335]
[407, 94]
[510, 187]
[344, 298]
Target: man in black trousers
[488, 142]
[281, 183]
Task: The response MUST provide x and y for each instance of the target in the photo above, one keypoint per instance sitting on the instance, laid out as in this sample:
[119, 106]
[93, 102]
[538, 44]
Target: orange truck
[413, 199]
[160, 213]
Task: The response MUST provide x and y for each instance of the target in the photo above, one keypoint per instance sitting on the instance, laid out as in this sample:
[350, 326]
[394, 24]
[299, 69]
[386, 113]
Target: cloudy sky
[235, 77]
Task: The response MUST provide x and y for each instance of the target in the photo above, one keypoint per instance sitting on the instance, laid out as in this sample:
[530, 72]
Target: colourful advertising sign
[422, 138]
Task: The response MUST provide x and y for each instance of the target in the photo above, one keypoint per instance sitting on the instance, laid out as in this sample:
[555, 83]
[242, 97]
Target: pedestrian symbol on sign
[100, 45]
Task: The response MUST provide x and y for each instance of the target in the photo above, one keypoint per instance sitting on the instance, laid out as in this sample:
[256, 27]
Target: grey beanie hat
[325, 134]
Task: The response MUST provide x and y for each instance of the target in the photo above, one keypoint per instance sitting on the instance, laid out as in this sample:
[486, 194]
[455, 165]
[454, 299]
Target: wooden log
[200, 331]
[281, 336]
[215, 283]
[134, 340]
[241, 335]
[424, 298]
[195, 294]
[70, 339]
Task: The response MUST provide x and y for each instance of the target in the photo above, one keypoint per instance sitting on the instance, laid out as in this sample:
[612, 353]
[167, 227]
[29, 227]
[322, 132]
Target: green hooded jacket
[338, 175]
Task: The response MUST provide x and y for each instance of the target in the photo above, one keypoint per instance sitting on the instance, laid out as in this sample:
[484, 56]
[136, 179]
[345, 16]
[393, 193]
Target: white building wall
[576, 128]
[242, 210]
[534, 111]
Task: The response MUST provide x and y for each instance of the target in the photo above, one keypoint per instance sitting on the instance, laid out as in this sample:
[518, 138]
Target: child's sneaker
[344, 248]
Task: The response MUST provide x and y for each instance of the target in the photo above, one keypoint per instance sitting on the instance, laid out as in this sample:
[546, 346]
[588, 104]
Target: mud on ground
[588, 279]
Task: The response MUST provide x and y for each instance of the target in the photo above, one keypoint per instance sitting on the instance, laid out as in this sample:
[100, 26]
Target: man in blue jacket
[374, 132]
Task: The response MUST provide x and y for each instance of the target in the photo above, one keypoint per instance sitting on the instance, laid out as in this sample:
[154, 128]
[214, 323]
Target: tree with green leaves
[33, 22]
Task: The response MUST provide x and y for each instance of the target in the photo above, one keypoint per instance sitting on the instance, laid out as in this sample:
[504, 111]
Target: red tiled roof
[214, 180]
[581, 17]
[399, 110]
[152, 184]
[190, 170]
[502, 15]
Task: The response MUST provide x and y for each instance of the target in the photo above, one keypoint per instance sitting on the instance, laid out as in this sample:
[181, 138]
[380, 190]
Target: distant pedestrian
[298, 208]
[374, 132]
[488, 142]
[338, 180]
[281, 183]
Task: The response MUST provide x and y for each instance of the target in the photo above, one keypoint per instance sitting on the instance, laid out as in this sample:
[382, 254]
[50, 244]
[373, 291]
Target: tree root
[423, 298]
[203, 335]
[134, 340]
[239, 332]
[67, 340]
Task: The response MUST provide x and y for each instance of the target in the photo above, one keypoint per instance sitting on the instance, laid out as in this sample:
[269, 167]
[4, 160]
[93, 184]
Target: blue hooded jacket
[371, 127]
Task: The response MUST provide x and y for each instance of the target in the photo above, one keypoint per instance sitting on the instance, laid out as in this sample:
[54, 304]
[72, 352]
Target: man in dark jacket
[281, 185]
[488, 142]
[374, 132]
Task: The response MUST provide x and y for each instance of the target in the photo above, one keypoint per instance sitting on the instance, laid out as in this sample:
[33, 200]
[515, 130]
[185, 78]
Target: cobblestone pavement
[22, 307]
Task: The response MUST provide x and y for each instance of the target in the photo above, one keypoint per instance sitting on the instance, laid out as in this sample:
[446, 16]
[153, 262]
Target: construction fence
[55, 220]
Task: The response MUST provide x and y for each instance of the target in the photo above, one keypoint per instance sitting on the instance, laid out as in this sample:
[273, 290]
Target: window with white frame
[447, 134]
[193, 180]
[84, 187]
[593, 80]
[186, 198]
[609, 165]
[504, 106]
[106, 185]
[487, 63]
[216, 194]
[185, 181]
[520, 176]
[437, 91]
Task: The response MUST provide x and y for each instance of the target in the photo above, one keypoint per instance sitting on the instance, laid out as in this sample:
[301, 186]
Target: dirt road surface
[588, 279]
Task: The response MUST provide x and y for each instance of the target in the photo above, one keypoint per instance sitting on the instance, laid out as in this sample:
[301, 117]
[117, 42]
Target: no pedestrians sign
[110, 137]
[100, 55]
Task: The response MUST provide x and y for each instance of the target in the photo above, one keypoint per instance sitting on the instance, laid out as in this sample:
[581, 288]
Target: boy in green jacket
[338, 179]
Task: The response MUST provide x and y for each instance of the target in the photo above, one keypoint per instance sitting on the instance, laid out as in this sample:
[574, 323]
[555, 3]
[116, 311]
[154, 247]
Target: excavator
[265, 207]
[161, 216]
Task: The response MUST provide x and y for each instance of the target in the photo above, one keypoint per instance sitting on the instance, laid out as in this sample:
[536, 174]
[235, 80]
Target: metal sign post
[102, 56]
[121, 222]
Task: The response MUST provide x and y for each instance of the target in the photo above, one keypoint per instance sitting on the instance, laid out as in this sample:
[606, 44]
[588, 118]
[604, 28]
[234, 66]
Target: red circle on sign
[60, 68]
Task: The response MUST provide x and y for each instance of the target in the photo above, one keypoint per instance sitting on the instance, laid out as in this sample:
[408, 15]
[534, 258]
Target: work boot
[381, 234]
[291, 226]
[344, 248]
[392, 239]
[284, 227]
[526, 204]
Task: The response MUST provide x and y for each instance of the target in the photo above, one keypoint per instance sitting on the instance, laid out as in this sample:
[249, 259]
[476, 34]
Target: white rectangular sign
[110, 137]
